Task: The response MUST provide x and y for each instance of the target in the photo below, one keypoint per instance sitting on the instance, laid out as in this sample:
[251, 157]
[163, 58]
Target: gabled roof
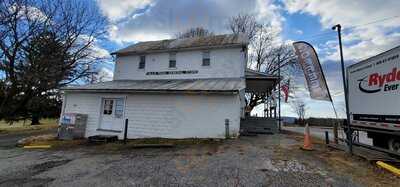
[207, 42]
[220, 85]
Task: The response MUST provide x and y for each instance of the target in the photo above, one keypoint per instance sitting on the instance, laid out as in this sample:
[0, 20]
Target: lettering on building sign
[172, 72]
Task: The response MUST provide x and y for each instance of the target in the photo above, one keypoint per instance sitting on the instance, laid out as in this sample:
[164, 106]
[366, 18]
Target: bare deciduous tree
[44, 44]
[265, 53]
[194, 32]
[244, 24]
[299, 107]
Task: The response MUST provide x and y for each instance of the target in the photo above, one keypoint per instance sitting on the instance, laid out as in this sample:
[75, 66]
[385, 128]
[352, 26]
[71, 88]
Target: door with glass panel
[112, 114]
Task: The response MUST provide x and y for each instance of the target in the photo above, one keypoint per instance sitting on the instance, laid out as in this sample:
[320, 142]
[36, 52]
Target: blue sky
[309, 20]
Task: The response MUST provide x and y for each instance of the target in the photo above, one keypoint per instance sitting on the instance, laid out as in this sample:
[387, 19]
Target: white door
[112, 114]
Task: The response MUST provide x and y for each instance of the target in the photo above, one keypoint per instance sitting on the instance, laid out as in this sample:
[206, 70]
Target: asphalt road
[319, 132]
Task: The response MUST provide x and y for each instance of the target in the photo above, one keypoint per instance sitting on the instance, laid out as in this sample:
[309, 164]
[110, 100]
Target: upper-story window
[172, 60]
[142, 62]
[206, 58]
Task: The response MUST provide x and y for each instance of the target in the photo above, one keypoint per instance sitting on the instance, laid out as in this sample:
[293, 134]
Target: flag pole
[334, 110]
[335, 125]
[279, 94]
[345, 88]
[335, 128]
[307, 55]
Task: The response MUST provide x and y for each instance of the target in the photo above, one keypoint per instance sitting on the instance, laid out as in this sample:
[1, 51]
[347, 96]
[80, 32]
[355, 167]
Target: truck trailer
[374, 98]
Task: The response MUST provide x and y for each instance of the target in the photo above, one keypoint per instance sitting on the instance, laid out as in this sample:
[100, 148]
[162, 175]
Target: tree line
[323, 122]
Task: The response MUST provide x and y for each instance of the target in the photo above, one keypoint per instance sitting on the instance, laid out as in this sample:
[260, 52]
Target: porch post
[264, 107]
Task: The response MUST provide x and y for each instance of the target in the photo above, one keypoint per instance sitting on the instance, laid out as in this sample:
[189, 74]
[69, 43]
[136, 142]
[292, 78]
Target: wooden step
[103, 138]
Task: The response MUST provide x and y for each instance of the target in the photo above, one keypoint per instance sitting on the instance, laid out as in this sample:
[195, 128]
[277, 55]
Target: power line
[373, 22]
[318, 35]
[327, 34]
[308, 39]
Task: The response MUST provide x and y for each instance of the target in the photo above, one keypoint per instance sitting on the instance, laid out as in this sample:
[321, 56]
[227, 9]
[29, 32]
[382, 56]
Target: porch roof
[258, 82]
[175, 85]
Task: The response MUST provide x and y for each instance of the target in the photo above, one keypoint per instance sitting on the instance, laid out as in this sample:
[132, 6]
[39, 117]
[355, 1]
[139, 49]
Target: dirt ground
[24, 126]
[265, 160]
[10, 134]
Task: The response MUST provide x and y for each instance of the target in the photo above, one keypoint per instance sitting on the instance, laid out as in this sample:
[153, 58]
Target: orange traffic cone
[307, 139]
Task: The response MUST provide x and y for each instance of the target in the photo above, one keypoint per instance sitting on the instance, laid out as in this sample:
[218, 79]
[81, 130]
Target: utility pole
[345, 87]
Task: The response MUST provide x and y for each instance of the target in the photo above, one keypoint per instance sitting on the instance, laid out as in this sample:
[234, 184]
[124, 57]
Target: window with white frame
[172, 60]
[108, 106]
[114, 106]
[206, 58]
[119, 107]
[142, 62]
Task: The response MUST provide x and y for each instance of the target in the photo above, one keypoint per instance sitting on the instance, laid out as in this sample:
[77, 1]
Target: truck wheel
[394, 145]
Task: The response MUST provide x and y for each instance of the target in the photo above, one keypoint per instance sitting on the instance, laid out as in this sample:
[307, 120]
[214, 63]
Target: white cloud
[30, 12]
[154, 20]
[300, 32]
[104, 74]
[268, 11]
[361, 40]
[96, 50]
[118, 9]
[100, 52]
[121, 34]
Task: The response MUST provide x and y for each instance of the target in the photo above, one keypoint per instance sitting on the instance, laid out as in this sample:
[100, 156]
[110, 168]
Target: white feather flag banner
[308, 59]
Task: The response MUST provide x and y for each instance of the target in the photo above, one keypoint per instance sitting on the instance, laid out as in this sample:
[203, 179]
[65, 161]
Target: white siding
[166, 115]
[84, 104]
[225, 63]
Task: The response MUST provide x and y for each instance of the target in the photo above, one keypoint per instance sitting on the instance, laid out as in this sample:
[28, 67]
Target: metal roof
[260, 82]
[178, 85]
[207, 42]
[252, 74]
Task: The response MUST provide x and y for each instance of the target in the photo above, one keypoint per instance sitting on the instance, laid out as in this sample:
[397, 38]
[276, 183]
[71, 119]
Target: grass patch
[24, 126]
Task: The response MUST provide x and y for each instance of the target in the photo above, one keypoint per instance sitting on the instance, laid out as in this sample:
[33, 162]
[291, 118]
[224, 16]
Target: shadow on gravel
[27, 176]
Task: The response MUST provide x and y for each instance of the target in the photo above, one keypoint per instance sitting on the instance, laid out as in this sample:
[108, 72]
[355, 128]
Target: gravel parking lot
[266, 160]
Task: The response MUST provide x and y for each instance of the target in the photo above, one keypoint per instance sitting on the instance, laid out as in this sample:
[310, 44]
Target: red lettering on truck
[380, 79]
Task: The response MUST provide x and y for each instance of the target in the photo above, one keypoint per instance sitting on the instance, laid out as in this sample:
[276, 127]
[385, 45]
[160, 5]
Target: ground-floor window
[119, 108]
[113, 107]
[108, 106]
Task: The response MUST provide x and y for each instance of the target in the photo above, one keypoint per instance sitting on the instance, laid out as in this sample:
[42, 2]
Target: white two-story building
[180, 88]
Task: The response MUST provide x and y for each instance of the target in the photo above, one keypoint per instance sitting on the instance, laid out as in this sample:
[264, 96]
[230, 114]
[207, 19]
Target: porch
[261, 84]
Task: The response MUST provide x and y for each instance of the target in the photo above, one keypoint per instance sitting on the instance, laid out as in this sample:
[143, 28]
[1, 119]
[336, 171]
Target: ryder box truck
[374, 98]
